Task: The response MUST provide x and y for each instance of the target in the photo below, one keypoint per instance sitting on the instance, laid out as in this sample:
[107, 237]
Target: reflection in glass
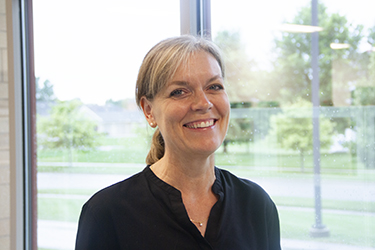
[270, 136]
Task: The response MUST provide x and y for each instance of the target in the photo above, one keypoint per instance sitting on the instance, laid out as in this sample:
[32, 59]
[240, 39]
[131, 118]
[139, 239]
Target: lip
[201, 124]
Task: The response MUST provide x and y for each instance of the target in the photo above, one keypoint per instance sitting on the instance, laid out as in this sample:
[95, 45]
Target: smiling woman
[181, 200]
[192, 109]
[168, 75]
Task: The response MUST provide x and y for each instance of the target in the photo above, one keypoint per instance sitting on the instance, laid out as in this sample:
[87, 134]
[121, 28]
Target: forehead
[198, 64]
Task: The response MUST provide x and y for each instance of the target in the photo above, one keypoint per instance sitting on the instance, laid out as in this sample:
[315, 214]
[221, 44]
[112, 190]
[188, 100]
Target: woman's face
[192, 110]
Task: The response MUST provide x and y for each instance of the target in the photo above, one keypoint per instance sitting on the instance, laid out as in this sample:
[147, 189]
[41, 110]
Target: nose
[201, 102]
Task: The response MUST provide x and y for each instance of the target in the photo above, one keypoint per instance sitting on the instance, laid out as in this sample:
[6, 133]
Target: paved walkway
[275, 186]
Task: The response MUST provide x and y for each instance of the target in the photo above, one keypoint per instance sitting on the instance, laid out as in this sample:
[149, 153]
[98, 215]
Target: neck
[192, 175]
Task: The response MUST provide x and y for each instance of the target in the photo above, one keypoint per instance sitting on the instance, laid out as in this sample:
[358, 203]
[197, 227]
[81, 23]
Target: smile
[202, 124]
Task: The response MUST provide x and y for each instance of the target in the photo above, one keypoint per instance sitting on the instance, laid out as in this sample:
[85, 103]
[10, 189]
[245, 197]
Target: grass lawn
[59, 209]
[91, 170]
[354, 206]
[259, 155]
[353, 229]
[265, 155]
[113, 150]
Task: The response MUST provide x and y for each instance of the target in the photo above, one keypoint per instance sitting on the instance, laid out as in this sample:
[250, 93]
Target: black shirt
[144, 212]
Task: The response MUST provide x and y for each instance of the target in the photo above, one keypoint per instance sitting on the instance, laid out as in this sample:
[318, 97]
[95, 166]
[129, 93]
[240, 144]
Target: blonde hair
[159, 66]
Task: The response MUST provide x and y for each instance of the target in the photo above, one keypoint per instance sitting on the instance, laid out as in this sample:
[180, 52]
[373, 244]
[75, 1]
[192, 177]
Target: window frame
[22, 123]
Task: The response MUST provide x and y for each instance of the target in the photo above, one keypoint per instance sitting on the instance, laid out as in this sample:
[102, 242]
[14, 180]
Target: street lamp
[339, 46]
[318, 229]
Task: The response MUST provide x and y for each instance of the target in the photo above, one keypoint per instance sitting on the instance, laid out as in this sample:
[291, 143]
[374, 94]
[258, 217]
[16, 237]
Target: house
[115, 121]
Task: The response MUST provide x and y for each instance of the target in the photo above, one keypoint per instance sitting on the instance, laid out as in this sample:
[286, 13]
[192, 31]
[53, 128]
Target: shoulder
[243, 189]
[234, 181]
[96, 228]
[107, 198]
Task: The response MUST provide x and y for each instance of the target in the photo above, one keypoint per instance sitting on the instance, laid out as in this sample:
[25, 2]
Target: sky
[92, 51]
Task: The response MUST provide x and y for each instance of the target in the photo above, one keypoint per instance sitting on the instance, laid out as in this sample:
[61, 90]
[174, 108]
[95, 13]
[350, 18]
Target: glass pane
[90, 132]
[324, 191]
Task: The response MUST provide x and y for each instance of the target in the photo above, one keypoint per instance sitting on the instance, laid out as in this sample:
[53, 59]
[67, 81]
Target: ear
[147, 111]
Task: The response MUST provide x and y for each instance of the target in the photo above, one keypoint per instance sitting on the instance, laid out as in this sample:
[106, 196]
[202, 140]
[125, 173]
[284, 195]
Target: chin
[207, 150]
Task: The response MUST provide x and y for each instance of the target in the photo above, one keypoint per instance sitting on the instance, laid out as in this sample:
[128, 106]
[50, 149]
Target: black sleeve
[273, 227]
[95, 231]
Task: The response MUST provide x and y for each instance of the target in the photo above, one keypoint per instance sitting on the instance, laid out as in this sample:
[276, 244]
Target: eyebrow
[184, 83]
[180, 83]
[215, 78]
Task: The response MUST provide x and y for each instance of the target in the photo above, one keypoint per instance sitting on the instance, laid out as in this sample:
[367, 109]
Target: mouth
[201, 124]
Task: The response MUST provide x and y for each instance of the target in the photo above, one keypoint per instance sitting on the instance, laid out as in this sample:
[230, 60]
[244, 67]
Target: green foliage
[236, 105]
[371, 36]
[371, 69]
[44, 93]
[239, 68]
[364, 94]
[122, 103]
[239, 77]
[67, 127]
[294, 55]
[245, 81]
[268, 104]
[242, 80]
[121, 150]
[239, 131]
[293, 129]
[144, 134]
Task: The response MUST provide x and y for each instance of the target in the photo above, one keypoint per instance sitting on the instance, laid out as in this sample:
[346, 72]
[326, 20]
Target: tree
[364, 93]
[240, 130]
[119, 103]
[128, 103]
[293, 129]
[67, 128]
[239, 77]
[371, 36]
[239, 69]
[294, 55]
[44, 93]
[244, 84]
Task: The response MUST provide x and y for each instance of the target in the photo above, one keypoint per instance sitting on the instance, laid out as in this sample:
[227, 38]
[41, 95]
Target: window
[322, 189]
[90, 132]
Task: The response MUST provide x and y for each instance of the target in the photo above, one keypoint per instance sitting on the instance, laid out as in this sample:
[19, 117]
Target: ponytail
[157, 148]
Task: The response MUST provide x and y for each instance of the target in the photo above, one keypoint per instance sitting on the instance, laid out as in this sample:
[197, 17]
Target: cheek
[226, 123]
[170, 113]
[225, 110]
[224, 106]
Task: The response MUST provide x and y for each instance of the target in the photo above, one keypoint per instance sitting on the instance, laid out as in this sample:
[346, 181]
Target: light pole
[318, 229]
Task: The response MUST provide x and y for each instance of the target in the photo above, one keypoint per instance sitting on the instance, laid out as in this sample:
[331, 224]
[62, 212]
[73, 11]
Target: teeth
[201, 125]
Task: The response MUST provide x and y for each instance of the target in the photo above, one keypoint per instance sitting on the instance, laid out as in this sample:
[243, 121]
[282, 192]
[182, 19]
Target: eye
[216, 87]
[177, 92]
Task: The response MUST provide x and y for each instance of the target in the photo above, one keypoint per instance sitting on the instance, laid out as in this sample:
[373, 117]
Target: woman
[181, 200]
